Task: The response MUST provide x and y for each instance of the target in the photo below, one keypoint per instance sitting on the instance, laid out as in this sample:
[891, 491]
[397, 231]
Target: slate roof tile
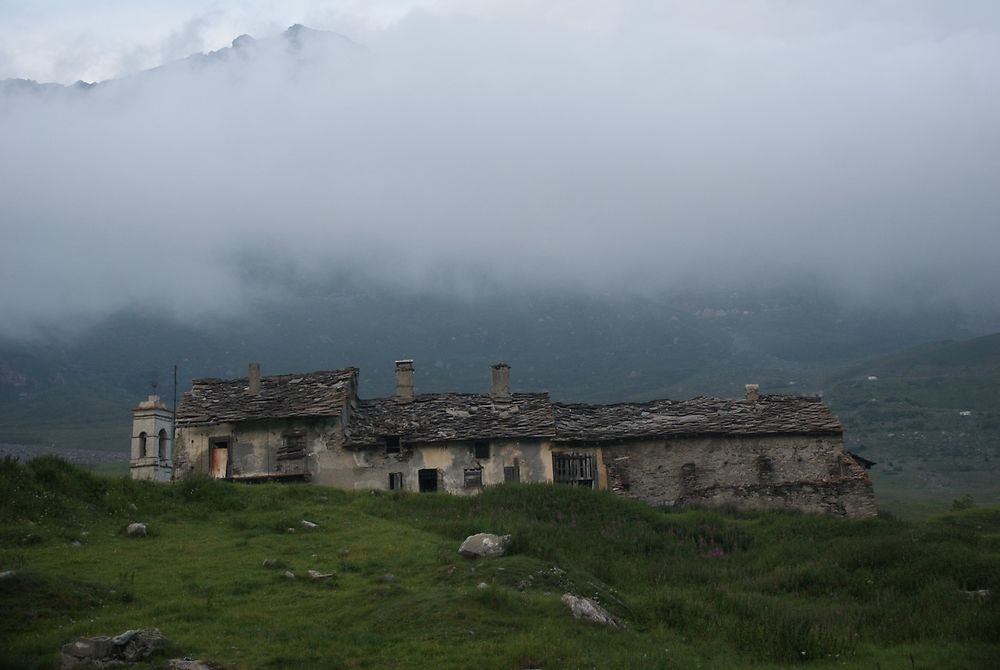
[321, 393]
[451, 416]
[769, 415]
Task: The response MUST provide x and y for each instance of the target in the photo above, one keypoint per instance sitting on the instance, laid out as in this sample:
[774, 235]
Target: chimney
[500, 381]
[752, 392]
[253, 379]
[404, 381]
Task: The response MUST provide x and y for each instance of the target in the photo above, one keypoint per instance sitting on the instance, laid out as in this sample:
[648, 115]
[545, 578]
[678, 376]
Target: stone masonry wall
[807, 473]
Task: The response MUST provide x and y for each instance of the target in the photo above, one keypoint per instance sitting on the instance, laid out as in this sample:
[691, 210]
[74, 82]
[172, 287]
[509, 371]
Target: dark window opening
[473, 478]
[395, 481]
[689, 478]
[293, 446]
[427, 480]
[142, 444]
[392, 444]
[512, 473]
[163, 444]
[481, 449]
[575, 469]
[765, 469]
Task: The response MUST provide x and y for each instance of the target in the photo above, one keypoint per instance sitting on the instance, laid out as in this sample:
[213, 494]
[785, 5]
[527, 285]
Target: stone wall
[370, 468]
[807, 473]
[257, 449]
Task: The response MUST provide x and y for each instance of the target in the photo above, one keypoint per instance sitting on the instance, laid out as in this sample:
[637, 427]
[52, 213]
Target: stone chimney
[500, 381]
[404, 381]
[253, 379]
[753, 394]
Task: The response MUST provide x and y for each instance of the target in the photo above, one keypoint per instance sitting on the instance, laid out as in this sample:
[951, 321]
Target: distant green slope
[77, 392]
[705, 589]
[929, 415]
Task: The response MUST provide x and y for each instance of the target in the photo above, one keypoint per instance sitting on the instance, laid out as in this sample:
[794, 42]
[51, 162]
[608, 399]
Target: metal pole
[173, 423]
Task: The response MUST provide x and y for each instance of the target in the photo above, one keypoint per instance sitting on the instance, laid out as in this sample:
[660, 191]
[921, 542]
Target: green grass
[715, 589]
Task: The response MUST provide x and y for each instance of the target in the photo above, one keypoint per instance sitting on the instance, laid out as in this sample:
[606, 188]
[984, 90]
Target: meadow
[695, 588]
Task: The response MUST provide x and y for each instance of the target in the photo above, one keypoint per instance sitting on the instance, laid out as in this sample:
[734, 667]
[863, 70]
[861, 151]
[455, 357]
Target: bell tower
[152, 441]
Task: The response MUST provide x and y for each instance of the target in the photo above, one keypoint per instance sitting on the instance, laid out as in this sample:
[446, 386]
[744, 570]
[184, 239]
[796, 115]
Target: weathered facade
[762, 451]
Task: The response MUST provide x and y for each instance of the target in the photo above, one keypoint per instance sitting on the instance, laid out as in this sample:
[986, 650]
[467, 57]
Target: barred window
[473, 478]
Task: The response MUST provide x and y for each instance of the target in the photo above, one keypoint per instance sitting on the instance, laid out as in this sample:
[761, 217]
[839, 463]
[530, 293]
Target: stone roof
[437, 417]
[769, 415]
[315, 394]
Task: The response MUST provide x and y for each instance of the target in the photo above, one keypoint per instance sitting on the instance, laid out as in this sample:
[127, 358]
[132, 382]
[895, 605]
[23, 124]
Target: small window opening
[481, 449]
[142, 445]
[575, 469]
[395, 481]
[512, 473]
[765, 469]
[293, 446]
[163, 444]
[427, 480]
[392, 444]
[473, 478]
[689, 478]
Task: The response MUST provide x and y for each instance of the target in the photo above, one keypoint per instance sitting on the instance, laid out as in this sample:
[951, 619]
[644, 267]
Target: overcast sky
[589, 144]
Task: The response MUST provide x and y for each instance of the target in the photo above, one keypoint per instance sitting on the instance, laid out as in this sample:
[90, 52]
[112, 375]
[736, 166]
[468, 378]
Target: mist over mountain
[455, 154]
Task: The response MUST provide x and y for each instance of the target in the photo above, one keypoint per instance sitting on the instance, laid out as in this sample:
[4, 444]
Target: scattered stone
[309, 525]
[978, 594]
[343, 552]
[75, 544]
[481, 545]
[189, 664]
[482, 585]
[131, 646]
[289, 574]
[388, 578]
[586, 609]
[317, 576]
[289, 530]
[7, 574]
[136, 530]
[270, 563]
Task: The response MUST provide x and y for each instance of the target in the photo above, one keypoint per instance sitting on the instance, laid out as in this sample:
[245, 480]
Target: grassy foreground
[696, 588]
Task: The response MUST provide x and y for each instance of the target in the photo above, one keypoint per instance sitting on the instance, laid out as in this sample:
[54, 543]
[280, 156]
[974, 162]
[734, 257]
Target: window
[473, 478]
[163, 445]
[512, 473]
[689, 478]
[395, 481]
[765, 469]
[427, 480]
[142, 444]
[391, 444]
[481, 449]
[293, 446]
[575, 469]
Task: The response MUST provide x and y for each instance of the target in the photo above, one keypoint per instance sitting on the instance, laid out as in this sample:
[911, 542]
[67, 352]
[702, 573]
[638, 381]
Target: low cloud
[605, 148]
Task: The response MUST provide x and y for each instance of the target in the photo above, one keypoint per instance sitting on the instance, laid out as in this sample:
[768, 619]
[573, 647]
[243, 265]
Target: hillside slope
[694, 588]
[929, 415]
[77, 392]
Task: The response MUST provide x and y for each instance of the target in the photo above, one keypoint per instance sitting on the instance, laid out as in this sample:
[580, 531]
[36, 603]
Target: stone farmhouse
[760, 451]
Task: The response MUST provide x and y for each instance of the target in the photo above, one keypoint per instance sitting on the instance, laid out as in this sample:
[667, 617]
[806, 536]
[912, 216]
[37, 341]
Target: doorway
[218, 449]
[428, 480]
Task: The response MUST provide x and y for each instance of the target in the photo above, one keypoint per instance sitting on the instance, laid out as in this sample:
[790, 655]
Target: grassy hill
[929, 415]
[695, 588]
